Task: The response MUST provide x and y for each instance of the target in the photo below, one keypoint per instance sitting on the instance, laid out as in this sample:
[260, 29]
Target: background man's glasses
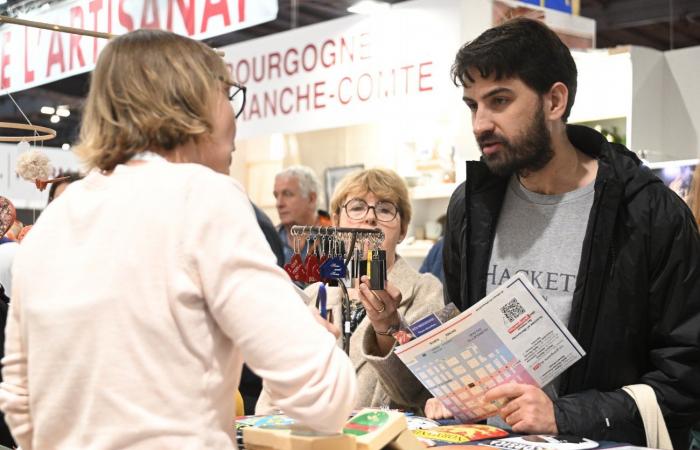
[357, 209]
[237, 97]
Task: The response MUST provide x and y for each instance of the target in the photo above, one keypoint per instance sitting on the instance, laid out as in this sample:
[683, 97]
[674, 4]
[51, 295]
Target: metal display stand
[350, 237]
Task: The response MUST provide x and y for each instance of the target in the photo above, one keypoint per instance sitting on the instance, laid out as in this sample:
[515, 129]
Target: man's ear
[312, 198]
[556, 102]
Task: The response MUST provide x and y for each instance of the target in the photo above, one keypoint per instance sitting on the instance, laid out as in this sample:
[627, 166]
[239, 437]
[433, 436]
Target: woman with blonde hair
[378, 198]
[144, 287]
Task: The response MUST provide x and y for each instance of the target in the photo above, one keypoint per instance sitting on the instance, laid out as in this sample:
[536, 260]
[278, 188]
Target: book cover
[458, 434]
[375, 428]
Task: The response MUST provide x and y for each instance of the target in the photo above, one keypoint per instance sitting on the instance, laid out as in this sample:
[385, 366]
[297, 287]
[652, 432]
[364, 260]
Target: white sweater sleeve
[14, 391]
[256, 305]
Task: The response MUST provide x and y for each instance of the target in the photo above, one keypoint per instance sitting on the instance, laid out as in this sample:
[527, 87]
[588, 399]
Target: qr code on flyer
[512, 310]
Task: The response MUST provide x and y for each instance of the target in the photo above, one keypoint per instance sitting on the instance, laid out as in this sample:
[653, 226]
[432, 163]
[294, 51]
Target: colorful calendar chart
[510, 336]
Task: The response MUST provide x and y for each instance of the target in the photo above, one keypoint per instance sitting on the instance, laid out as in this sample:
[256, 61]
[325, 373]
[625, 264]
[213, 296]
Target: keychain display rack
[354, 242]
[348, 235]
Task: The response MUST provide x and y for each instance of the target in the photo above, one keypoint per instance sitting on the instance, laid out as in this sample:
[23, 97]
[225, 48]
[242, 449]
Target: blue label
[558, 5]
[333, 268]
[424, 325]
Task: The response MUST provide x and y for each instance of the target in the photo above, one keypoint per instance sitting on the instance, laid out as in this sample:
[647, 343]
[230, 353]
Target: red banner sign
[31, 57]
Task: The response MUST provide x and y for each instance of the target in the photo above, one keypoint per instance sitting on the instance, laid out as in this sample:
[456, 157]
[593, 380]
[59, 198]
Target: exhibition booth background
[376, 91]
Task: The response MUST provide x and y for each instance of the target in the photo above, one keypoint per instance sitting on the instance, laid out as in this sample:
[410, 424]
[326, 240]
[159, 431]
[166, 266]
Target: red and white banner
[31, 57]
[351, 70]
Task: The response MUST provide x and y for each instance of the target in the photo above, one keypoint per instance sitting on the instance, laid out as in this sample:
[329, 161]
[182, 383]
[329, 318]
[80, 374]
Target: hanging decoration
[38, 133]
[35, 166]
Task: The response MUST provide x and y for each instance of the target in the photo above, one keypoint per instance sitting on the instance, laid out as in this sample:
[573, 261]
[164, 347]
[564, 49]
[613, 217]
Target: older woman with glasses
[378, 198]
[139, 344]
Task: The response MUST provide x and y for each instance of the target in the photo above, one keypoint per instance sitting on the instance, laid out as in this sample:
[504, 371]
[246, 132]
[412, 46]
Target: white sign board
[352, 70]
[32, 56]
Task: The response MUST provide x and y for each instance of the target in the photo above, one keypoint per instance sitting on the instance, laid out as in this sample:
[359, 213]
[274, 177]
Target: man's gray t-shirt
[541, 236]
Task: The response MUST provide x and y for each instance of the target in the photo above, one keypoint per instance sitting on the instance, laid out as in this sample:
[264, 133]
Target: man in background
[270, 233]
[433, 260]
[296, 195]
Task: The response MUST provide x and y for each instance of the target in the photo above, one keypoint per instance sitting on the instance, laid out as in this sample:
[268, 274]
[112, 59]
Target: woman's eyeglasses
[357, 209]
[237, 97]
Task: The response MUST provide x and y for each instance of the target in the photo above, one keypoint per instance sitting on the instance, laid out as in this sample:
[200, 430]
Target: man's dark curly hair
[522, 48]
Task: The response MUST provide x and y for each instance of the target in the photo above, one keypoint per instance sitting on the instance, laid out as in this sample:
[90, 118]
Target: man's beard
[528, 154]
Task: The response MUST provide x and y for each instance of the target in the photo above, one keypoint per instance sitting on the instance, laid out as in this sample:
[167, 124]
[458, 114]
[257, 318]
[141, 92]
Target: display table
[374, 429]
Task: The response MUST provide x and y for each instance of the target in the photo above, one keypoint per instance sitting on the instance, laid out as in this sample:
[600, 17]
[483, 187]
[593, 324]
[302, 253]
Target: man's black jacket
[636, 305]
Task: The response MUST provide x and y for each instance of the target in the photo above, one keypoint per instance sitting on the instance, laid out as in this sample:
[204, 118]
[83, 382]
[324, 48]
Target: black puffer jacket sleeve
[451, 253]
[673, 341]
[609, 416]
[675, 302]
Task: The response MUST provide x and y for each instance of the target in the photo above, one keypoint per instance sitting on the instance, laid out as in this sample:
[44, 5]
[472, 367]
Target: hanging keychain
[374, 265]
[325, 249]
[323, 257]
[295, 266]
[355, 267]
[311, 263]
[333, 268]
[378, 265]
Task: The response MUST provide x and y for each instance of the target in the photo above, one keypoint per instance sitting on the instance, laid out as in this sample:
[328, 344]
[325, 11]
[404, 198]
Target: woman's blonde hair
[383, 183]
[150, 90]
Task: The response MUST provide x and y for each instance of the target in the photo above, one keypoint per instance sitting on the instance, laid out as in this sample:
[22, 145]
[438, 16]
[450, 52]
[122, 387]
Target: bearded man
[613, 250]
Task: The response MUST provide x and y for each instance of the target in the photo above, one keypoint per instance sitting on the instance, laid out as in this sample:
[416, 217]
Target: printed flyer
[511, 335]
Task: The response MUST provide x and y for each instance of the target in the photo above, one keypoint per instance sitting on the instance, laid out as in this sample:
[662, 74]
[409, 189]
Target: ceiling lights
[369, 7]
[55, 113]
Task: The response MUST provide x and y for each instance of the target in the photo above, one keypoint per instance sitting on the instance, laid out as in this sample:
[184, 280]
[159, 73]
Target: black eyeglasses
[357, 209]
[237, 97]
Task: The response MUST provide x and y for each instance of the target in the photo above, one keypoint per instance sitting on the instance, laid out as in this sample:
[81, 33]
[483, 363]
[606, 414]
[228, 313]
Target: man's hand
[434, 409]
[527, 409]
